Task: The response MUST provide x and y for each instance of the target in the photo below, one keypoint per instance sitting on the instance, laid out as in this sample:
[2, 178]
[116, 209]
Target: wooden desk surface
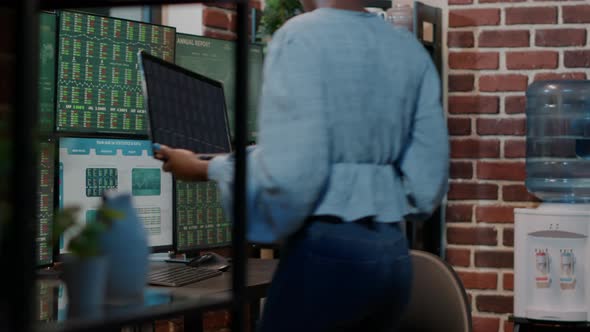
[190, 299]
[260, 273]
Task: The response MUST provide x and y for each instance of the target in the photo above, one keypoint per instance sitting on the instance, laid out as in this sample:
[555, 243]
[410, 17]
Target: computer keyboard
[180, 275]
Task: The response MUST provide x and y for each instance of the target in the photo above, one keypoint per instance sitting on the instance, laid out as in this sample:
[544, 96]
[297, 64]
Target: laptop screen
[185, 110]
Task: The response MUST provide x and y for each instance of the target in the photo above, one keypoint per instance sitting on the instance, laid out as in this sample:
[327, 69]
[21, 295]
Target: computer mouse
[210, 260]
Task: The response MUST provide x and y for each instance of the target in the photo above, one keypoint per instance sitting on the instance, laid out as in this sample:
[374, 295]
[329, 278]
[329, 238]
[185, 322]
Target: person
[352, 141]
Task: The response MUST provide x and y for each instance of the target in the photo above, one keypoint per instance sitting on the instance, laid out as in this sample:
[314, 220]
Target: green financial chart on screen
[99, 83]
[214, 58]
[47, 42]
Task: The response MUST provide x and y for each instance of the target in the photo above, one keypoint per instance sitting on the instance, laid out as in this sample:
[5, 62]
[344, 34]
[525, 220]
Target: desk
[164, 302]
[260, 272]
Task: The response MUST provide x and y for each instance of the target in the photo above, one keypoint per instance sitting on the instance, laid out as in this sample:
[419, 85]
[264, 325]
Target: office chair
[438, 301]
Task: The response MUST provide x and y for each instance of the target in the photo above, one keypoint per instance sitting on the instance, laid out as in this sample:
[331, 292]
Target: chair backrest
[438, 301]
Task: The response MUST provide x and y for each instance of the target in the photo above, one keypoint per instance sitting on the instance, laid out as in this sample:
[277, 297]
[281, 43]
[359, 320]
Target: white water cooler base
[564, 316]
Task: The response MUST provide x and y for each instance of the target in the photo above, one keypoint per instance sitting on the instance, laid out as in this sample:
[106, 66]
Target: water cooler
[551, 246]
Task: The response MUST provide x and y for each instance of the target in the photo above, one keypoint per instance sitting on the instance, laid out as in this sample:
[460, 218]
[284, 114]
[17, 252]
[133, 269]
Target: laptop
[185, 110]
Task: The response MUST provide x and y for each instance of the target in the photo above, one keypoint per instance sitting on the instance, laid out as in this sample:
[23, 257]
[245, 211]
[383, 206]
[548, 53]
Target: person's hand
[184, 164]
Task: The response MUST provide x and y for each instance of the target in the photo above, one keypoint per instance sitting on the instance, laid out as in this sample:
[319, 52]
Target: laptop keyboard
[180, 275]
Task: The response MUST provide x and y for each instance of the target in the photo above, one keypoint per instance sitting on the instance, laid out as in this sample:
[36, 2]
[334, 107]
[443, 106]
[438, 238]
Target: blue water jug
[558, 141]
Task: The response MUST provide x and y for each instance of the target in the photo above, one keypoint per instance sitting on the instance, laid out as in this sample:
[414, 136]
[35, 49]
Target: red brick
[559, 76]
[215, 319]
[461, 83]
[473, 17]
[507, 82]
[531, 15]
[486, 324]
[515, 104]
[532, 60]
[233, 23]
[502, 170]
[473, 104]
[514, 149]
[494, 303]
[508, 281]
[229, 6]
[514, 127]
[460, 2]
[458, 257]
[497, 1]
[560, 37]
[459, 126]
[504, 38]
[576, 14]
[464, 191]
[517, 193]
[508, 326]
[216, 18]
[472, 236]
[479, 280]
[461, 170]
[459, 213]
[256, 4]
[494, 258]
[508, 237]
[462, 39]
[494, 214]
[474, 60]
[577, 59]
[475, 148]
[220, 34]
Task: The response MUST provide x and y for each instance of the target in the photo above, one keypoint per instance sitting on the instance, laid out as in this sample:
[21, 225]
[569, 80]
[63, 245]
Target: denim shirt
[350, 125]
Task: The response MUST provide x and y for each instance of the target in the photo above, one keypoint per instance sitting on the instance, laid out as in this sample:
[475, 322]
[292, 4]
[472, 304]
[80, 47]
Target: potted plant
[85, 267]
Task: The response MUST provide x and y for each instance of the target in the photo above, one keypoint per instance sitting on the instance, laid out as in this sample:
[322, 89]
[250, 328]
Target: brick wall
[220, 20]
[495, 49]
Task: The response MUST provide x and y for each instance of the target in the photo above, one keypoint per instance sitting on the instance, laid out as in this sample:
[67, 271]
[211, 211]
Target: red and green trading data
[99, 83]
[200, 221]
[43, 249]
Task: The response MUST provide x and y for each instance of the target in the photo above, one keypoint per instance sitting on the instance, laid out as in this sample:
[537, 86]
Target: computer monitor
[200, 220]
[89, 166]
[46, 150]
[47, 294]
[99, 86]
[45, 206]
[214, 58]
[187, 110]
[47, 46]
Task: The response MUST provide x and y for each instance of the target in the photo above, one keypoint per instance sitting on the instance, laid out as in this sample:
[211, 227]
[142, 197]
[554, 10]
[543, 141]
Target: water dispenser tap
[543, 265]
[567, 279]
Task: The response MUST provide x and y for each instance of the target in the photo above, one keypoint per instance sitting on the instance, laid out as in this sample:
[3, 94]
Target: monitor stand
[178, 258]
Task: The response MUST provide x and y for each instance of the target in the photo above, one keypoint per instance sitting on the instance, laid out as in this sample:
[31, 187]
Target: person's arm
[289, 167]
[425, 161]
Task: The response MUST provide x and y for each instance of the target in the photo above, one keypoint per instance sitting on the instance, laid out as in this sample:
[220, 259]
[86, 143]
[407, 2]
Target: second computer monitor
[89, 166]
[200, 220]
[215, 58]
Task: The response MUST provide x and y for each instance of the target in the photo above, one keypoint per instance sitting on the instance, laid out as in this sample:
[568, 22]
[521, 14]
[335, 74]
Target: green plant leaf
[277, 12]
[86, 243]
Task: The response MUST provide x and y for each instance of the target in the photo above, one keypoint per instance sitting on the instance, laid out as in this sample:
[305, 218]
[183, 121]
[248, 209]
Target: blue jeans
[340, 277]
